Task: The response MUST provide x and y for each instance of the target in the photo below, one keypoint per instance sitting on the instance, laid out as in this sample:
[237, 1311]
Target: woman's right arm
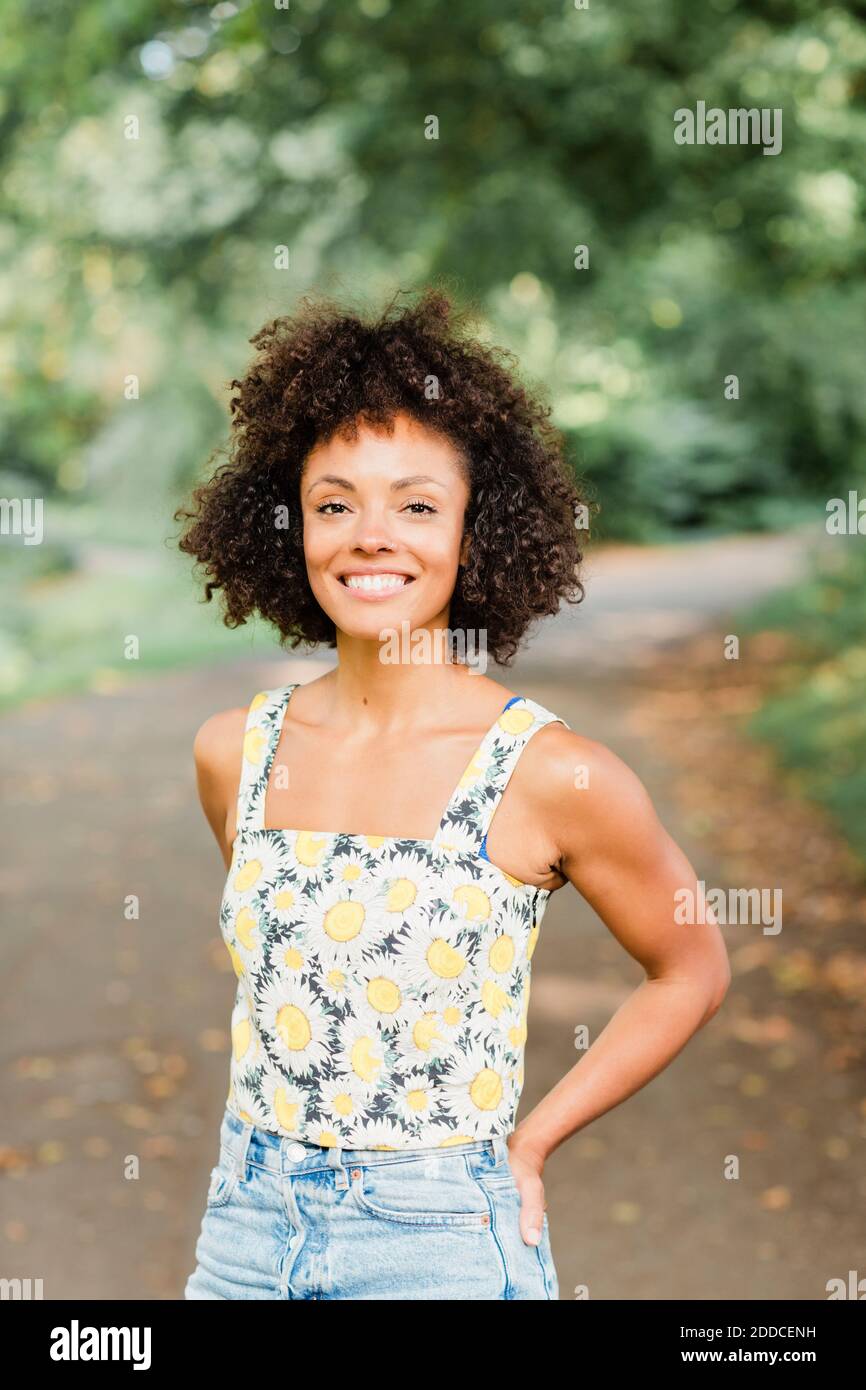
[218, 750]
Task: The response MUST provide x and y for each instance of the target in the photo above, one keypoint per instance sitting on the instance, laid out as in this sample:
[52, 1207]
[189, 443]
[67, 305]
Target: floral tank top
[383, 983]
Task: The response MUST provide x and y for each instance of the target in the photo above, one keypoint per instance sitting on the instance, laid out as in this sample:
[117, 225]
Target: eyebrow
[396, 486]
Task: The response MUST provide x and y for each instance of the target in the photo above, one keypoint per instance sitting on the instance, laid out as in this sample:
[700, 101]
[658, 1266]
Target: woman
[393, 830]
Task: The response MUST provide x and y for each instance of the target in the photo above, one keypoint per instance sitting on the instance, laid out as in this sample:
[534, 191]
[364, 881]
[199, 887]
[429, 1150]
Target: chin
[369, 627]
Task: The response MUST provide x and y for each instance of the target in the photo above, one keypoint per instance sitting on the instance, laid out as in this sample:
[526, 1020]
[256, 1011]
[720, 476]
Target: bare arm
[612, 847]
[217, 750]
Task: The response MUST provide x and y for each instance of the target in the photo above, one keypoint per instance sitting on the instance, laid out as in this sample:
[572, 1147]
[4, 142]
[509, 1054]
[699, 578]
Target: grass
[66, 629]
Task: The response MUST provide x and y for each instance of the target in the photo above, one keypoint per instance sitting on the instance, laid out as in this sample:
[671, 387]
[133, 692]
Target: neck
[386, 690]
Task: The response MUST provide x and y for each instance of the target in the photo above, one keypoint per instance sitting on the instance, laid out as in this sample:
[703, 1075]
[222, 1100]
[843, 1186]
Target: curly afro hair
[321, 371]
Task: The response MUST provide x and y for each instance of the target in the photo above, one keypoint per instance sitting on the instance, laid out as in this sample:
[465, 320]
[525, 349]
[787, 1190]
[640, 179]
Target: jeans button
[296, 1152]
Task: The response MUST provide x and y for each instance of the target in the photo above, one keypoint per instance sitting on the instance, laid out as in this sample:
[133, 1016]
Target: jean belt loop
[243, 1146]
[500, 1149]
[335, 1161]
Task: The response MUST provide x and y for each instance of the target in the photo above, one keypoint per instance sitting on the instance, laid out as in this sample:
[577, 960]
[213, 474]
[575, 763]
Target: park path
[114, 1036]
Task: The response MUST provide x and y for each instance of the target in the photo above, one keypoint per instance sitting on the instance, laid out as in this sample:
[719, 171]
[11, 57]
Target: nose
[372, 545]
[371, 534]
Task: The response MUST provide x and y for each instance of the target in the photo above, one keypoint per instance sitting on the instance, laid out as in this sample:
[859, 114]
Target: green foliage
[256, 127]
[817, 722]
[305, 127]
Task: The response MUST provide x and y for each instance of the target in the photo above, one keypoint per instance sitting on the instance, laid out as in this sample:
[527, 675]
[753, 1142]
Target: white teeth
[375, 581]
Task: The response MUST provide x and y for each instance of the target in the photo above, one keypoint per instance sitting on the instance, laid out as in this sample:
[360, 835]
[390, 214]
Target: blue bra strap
[468, 814]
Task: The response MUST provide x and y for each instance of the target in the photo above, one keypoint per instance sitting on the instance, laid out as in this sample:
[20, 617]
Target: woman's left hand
[527, 1169]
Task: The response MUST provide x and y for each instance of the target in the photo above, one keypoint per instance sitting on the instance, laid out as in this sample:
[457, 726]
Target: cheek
[439, 557]
[314, 537]
[439, 579]
[319, 549]
[439, 546]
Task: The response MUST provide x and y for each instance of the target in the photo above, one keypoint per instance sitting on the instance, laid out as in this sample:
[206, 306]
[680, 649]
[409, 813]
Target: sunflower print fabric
[383, 983]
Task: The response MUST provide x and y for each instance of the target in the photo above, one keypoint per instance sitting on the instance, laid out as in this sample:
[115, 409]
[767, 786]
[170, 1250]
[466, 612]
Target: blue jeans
[287, 1219]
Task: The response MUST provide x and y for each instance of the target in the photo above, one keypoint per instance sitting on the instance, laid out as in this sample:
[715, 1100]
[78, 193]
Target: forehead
[373, 449]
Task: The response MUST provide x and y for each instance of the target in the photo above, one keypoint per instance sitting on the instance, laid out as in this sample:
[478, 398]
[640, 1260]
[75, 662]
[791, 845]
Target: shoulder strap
[476, 796]
[261, 735]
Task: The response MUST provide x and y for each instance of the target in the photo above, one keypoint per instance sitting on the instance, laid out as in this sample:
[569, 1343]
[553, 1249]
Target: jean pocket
[504, 1192]
[434, 1190]
[494, 1172]
[223, 1180]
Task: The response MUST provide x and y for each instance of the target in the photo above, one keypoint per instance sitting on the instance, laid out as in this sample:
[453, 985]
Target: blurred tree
[156, 153]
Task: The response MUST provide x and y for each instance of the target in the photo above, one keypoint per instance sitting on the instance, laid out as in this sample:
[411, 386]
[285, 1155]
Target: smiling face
[383, 525]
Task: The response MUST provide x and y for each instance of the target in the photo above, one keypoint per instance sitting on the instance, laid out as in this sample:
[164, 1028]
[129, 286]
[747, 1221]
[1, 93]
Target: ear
[464, 548]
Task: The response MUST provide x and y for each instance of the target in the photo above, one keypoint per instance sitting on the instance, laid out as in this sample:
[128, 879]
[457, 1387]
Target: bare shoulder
[564, 760]
[218, 741]
[582, 789]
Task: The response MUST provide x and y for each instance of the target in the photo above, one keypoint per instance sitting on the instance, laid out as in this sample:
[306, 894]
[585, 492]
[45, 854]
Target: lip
[370, 595]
